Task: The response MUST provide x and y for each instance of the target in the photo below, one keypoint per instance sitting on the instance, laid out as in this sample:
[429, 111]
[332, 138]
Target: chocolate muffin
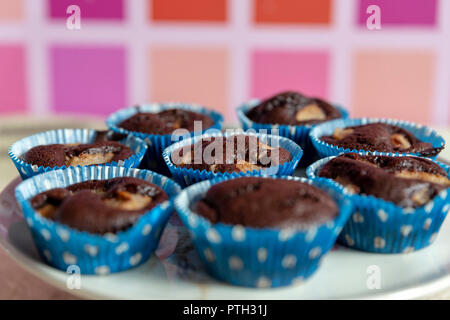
[380, 137]
[165, 122]
[293, 108]
[99, 206]
[408, 182]
[58, 155]
[238, 153]
[266, 203]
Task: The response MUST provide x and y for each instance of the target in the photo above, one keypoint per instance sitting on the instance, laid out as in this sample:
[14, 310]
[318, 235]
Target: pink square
[275, 71]
[88, 79]
[11, 10]
[198, 75]
[12, 79]
[90, 9]
[400, 12]
[393, 84]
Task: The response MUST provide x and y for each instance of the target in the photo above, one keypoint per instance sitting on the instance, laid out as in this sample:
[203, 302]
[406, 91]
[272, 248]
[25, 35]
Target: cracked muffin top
[408, 182]
[266, 203]
[166, 121]
[104, 149]
[293, 108]
[380, 137]
[237, 153]
[99, 206]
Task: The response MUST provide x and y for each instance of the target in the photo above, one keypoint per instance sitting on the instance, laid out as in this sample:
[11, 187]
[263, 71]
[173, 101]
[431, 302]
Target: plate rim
[29, 265]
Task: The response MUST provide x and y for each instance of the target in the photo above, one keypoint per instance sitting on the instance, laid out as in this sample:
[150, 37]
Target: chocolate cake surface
[380, 137]
[166, 121]
[408, 182]
[293, 108]
[108, 135]
[100, 206]
[58, 155]
[266, 203]
[238, 153]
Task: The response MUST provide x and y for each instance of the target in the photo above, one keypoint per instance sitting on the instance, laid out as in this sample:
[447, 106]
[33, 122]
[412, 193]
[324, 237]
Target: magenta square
[274, 71]
[90, 9]
[401, 12]
[13, 97]
[88, 80]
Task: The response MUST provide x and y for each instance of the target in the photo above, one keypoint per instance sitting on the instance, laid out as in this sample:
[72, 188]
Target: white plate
[176, 273]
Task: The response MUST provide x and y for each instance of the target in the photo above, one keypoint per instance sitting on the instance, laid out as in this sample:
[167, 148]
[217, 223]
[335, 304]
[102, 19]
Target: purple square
[90, 9]
[88, 80]
[401, 12]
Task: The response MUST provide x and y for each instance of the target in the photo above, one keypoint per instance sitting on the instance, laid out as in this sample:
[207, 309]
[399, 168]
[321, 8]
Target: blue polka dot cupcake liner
[264, 257]
[157, 143]
[381, 226]
[188, 176]
[63, 247]
[69, 136]
[299, 134]
[424, 133]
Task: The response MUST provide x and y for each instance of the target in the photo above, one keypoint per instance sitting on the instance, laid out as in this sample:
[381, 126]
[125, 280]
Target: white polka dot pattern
[146, 230]
[382, 215]
[209, 255]
[91, 250]
[379, 243]
[121, 248]
[63, 234]
[262, 254]
[315, 252]
[238, 233]
[135, 259]
[289, 261]
[263, 282]
[46, 234]
[102, 270]
[69, 258]
[235, 263]
[357, 217]
[285, 235]
[213, 236]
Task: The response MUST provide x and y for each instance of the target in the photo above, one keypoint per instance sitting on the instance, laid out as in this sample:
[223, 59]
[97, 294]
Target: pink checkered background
[222, 52]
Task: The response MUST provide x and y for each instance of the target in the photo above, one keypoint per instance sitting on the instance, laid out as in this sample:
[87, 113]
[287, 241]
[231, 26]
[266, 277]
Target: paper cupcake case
[261, 258]
[186, 177]
[61, 246]
[157, 143]
[69, 136]
[324, 149]
[299, 134]
[380, 226]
